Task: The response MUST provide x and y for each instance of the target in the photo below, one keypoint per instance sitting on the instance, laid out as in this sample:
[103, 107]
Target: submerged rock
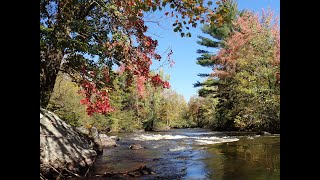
[143, 170]
[135, 146]
[137, 172]
[62, 148]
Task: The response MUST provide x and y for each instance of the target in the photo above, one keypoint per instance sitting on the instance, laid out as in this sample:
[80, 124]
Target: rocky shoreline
[66, 151]
[70, 152]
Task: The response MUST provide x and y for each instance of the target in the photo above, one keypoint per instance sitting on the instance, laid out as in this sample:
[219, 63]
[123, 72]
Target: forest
[105, 112]
[95, 70]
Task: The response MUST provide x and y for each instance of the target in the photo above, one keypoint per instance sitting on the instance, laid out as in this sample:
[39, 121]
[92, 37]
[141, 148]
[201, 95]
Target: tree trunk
[50, 61]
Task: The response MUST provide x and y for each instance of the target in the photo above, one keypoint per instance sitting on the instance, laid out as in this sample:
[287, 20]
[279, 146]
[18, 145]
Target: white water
[178, 148]
[157, 137]
[220, 140]
[198, 140]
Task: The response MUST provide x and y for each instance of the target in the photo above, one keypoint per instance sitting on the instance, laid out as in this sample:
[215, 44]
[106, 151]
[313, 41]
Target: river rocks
[107, 141]
[143, 170]
[135, 146]
[126, 174]
[62, 148]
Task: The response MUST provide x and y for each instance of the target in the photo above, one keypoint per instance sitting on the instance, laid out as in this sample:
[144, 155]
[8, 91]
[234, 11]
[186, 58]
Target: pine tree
[214, 87]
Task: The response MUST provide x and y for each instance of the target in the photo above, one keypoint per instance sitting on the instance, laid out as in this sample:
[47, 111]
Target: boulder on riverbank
[63, 150]
[107, 141]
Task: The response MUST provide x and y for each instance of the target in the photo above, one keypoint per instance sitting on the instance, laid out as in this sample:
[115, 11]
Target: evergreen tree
[214, 87]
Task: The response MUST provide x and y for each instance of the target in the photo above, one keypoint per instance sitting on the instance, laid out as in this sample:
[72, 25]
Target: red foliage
[96, 100]
[134, 49]
[251, 29]
[157, 81]
[140, 85]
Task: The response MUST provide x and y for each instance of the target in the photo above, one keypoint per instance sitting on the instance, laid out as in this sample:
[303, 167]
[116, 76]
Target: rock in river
[107, 141]
[135, 146]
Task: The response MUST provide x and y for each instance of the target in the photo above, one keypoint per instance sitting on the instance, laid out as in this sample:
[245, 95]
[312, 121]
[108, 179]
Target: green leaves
[154, 8]
[104, 32]
[244, 69]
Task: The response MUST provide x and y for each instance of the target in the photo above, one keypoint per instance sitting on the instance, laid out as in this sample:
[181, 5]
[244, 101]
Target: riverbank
[68, 152]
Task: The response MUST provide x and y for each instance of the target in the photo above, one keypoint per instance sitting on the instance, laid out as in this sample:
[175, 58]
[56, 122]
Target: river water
[194, 154]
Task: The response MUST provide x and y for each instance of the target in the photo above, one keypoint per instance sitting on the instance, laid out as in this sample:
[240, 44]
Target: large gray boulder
[62, 148]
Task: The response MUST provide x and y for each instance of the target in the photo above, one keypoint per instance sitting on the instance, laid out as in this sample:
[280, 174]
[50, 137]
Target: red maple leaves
[96, 100]
[157, 81]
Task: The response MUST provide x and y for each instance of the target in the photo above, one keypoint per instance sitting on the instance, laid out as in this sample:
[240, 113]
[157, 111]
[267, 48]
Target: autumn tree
[65, 100]
[246, 74]
[212, 86]
[132, 111]
[252, 58]
[218, 33]
[173, 109]
[202, 111]
[87, 38]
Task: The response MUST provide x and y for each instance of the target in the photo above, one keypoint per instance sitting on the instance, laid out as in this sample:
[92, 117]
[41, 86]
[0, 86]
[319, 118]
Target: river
[194, 154]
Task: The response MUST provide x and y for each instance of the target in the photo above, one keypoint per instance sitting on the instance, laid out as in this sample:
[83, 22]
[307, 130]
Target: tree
[173, 109]
[213, 86]
[246, 74]
[65, 100]
[252, 58]
[86, 38]
[218, 33]
[202, 111]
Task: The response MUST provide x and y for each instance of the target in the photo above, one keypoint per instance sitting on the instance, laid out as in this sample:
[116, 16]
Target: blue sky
[184, 73]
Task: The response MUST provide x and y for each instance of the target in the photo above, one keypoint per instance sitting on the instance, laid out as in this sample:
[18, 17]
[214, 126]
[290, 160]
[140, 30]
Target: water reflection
[177, 155]
[257, 158]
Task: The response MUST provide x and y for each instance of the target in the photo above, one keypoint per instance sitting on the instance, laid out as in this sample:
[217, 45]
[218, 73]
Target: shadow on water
[257, 158]
[194, 154]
